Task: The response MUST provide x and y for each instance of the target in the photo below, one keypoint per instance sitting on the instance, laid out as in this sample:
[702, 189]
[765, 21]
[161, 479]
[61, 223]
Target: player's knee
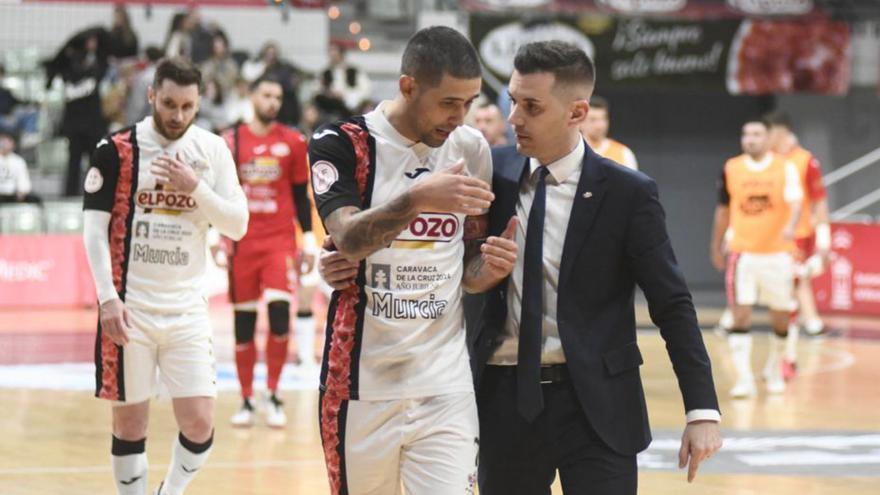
[198, 429]
[279, 317]
[245, 326]
[130, 427]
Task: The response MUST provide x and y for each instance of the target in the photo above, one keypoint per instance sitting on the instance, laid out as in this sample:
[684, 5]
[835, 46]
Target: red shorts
[253, 270]
[805, 247]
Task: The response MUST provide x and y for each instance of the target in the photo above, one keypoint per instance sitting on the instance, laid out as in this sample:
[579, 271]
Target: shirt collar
[761, 165]
[383, 128]
[564, 167]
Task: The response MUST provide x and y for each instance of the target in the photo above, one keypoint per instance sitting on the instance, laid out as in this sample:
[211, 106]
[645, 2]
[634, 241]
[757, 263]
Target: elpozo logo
[499, 47]
[772, 7]
[644, 6]
[165, 202]
[426, 230]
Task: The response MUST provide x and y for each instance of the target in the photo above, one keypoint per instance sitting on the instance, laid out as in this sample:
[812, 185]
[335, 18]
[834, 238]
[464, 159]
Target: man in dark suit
[555, 355]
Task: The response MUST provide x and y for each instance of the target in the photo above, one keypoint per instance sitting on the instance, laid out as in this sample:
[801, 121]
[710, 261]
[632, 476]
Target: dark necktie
[529, 398]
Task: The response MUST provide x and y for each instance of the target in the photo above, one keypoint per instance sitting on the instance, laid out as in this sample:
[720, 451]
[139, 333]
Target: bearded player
[273, 169]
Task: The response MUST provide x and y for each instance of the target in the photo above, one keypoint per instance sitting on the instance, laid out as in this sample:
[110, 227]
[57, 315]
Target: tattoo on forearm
[359, 233]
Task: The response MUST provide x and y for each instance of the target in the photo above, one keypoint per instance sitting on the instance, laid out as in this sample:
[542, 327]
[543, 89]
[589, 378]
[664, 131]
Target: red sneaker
[789, 369]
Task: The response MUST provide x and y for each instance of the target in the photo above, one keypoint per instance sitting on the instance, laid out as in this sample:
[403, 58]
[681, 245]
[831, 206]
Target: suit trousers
[521, 458]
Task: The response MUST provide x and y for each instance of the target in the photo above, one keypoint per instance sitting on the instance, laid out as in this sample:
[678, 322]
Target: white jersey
[408, 325]
[158, 235]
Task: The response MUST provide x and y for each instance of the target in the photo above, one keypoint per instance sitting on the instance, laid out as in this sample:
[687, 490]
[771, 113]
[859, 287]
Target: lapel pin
[588, 195]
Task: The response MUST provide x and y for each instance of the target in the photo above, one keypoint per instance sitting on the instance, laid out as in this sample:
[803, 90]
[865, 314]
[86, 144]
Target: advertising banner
[680, 8]
[749, 57]
[44, 270]
[851, 284]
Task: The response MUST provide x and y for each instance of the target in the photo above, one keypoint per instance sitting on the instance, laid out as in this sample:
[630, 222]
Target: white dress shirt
[561, 184]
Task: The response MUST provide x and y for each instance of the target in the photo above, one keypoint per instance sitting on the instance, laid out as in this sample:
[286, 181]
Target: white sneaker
[775, 382]
[275, 416]
[744, 388]
[776, 385]
[814, 326]
[245, 416]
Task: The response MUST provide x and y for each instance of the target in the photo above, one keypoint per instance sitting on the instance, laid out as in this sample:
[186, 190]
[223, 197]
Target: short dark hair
[778, 119]
[153, 53]
[265, 78]
[438, 50]
[178, 70]
[568, 63]
[757, 120]
[597, 102]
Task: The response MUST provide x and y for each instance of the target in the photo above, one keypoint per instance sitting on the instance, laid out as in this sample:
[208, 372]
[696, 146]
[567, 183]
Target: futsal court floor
[822, 437]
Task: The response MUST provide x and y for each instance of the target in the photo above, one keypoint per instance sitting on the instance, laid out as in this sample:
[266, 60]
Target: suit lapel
[587, 201]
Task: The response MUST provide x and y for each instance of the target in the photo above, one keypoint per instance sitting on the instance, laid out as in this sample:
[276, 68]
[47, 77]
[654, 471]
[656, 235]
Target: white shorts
[765, 279]
[430, 445]
[179, 346]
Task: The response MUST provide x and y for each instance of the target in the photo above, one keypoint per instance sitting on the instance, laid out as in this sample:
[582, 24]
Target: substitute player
[759, 197]
[401, 190]
[274, 173]
[812, 236]
[150, 195]
[595, 131]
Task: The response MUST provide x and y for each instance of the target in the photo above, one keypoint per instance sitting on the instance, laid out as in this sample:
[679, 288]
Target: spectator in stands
[491, 123]
[221, 67]
[82, 64]
[14, 118]
[201, 36]
[270, 64]
[309, 122]
[123, 40]
[329, 103]
[212, 112]
[15, 185]
[238, 104]
[344, 80]
[137, 106]
[178, 43]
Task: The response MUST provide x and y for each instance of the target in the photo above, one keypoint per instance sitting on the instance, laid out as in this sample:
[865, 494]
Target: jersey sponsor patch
[324, 175]
[165, 200]
[263, 169]
[440, 227]
[280, 149]
[94, 181]
[325, 132]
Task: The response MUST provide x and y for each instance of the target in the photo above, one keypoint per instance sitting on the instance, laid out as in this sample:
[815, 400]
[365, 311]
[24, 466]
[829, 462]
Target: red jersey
[268, 167]
[814, 189]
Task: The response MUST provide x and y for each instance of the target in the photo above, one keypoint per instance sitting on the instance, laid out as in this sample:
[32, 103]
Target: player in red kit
[273, 170]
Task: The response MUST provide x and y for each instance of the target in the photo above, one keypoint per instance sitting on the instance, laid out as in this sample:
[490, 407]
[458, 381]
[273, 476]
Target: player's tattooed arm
[358, 233]
[475, 231]
[490, 260]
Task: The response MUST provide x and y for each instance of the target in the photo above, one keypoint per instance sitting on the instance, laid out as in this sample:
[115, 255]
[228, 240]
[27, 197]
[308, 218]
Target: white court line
[221, 465]
[838, 359]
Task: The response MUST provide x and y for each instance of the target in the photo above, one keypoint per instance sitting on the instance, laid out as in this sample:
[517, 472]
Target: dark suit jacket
[616, 238]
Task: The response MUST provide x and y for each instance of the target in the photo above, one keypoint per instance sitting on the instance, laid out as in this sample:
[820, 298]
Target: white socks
[741, 350]
[791, 342]
[130, 467]
[186, 459]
